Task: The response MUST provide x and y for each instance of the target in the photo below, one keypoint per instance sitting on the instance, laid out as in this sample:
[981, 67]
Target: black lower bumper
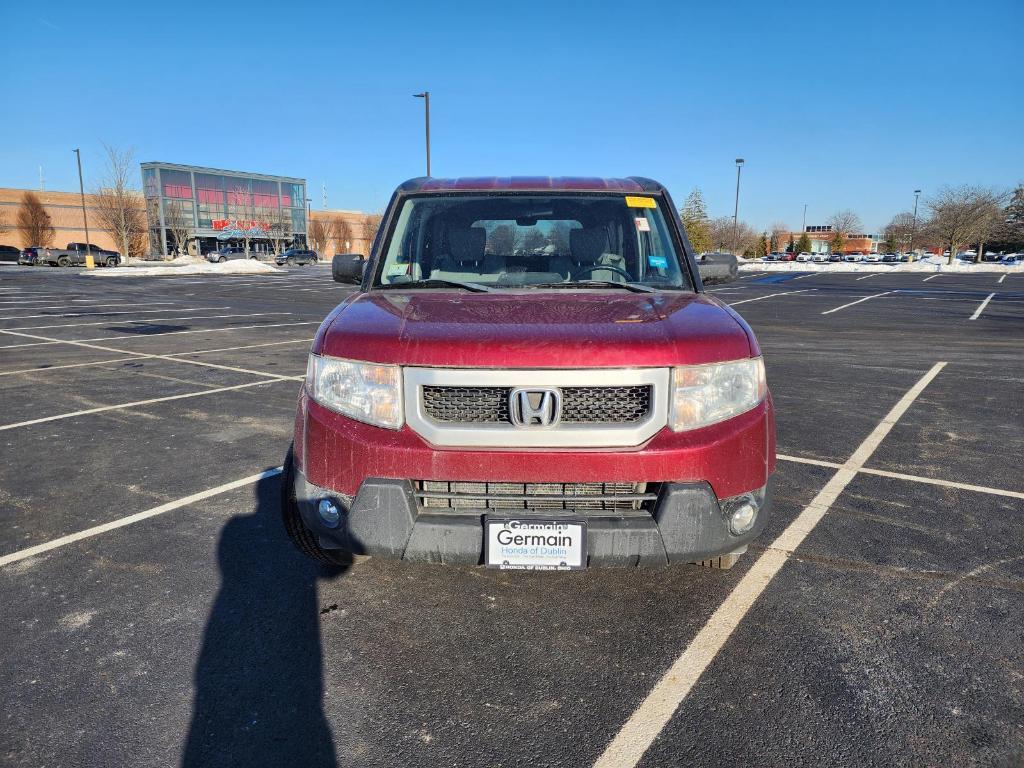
[384, 519]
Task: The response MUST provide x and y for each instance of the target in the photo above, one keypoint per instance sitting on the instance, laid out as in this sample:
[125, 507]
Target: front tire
[63, 261]
[222, 259]
[301, 536]
[111, 262]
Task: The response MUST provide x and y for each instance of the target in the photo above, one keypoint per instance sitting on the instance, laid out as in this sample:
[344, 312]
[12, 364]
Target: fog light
[741, 511]
[742, 519]
[329, 514]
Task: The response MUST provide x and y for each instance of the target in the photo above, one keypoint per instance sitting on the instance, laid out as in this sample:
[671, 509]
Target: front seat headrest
[587, 245]
[467, 245]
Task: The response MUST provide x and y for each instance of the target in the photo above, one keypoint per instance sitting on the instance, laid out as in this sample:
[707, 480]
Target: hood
[535, 329]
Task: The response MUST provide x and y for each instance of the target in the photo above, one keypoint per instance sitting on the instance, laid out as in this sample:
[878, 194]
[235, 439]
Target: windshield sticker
[657, 262]
[642, 225]
[398, 269]
[640, 202]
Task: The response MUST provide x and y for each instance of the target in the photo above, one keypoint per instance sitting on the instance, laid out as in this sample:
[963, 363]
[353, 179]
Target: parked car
[623, 412]
[1012, 258]
[9, 253]
[873, 258]
[803, 257]
[74, 255]
[820, 258]
[890, 258]
[29, 256]
[229, 253]
[853, 257]
[772, 257]
[834, 257]
[297, 256]
[789, 257]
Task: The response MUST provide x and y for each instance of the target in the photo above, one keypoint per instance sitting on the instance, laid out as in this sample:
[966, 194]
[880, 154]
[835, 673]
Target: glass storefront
[199, 210]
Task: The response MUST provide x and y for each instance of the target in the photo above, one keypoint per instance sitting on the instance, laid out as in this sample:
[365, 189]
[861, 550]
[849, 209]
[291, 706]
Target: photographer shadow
[259, 676]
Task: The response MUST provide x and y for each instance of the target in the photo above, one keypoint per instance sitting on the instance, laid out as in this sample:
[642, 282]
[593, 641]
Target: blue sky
[837, 105]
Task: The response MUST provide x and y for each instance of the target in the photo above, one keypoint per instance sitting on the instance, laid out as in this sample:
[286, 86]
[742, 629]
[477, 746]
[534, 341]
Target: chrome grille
[580, 405]
[541, 497]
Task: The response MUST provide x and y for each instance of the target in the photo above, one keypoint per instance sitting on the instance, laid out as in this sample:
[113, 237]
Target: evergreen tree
[803, 245]
[791, 245]
[762, 245]
[695, 218]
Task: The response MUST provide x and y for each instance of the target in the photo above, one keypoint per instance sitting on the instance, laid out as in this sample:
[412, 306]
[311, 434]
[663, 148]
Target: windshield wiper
[435, 282]
[634, 287]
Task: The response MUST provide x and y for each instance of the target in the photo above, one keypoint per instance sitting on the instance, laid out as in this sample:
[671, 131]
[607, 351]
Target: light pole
[736, 210]
[426, 111]
[913, 228]
[89, 263]
[309, 218]
[804, 227]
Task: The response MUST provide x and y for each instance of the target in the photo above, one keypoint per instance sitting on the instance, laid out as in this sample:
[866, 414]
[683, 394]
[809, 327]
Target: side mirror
[717, 267]
[348, 268]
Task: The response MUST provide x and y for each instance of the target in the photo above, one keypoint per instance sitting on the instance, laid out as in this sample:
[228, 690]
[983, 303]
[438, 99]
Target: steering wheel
[596, 267]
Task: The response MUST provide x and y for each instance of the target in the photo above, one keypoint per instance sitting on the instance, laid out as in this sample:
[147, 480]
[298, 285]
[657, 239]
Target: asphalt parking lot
[155, 614]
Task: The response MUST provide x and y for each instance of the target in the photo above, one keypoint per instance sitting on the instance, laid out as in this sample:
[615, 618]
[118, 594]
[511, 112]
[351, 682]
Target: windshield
[531, 240]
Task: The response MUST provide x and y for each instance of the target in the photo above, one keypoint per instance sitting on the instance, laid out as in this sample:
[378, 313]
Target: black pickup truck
[74, 256]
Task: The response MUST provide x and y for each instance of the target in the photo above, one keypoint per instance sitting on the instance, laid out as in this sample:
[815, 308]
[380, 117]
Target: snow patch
[180, 267]
[927, 264]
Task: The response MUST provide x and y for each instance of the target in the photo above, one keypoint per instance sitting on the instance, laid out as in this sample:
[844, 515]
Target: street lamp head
[917, 191]
[739, 161]
[420, 95]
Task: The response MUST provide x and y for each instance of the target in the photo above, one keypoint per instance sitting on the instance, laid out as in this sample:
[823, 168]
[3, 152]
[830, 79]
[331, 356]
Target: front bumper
[686, 524]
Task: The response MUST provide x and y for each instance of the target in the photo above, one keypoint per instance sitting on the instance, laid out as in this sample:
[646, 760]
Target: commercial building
[821, 240]
[207, 208]
[65, 210]
[202, 209]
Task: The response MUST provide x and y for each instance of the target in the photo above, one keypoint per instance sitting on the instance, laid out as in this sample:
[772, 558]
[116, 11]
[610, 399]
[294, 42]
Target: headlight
[707, 394]
[364, 391]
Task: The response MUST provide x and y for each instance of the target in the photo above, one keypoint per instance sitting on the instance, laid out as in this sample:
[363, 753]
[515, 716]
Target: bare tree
[277, 223]
[990, 221]
[961, 215]
[320, 234]
[179, 223]
[34, 222]
[844, 223]
[779, 236]
[5, 227]
[899, 232]
[370, 226]
[341, 234]
[119, 207]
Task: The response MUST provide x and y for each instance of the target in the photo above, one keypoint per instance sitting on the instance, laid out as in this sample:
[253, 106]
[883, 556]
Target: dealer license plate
[535, 544]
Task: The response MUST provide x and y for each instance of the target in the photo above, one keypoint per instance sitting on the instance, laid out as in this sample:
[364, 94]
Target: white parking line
[858, 301]
[167, 333]
[45, 368]
[147, 320]
[1002, 278]
[63, 541]
[107, 314]
[93, 306]
[911, 478]
[770, 295]
[809, 274]
[135, 404]
[981, 308]
[174, 356]
[932, 277]
[142, 356]
[873, 274]
[654, 712]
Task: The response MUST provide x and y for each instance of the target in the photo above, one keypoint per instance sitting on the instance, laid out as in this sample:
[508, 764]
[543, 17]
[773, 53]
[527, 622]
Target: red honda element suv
[530, 376]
